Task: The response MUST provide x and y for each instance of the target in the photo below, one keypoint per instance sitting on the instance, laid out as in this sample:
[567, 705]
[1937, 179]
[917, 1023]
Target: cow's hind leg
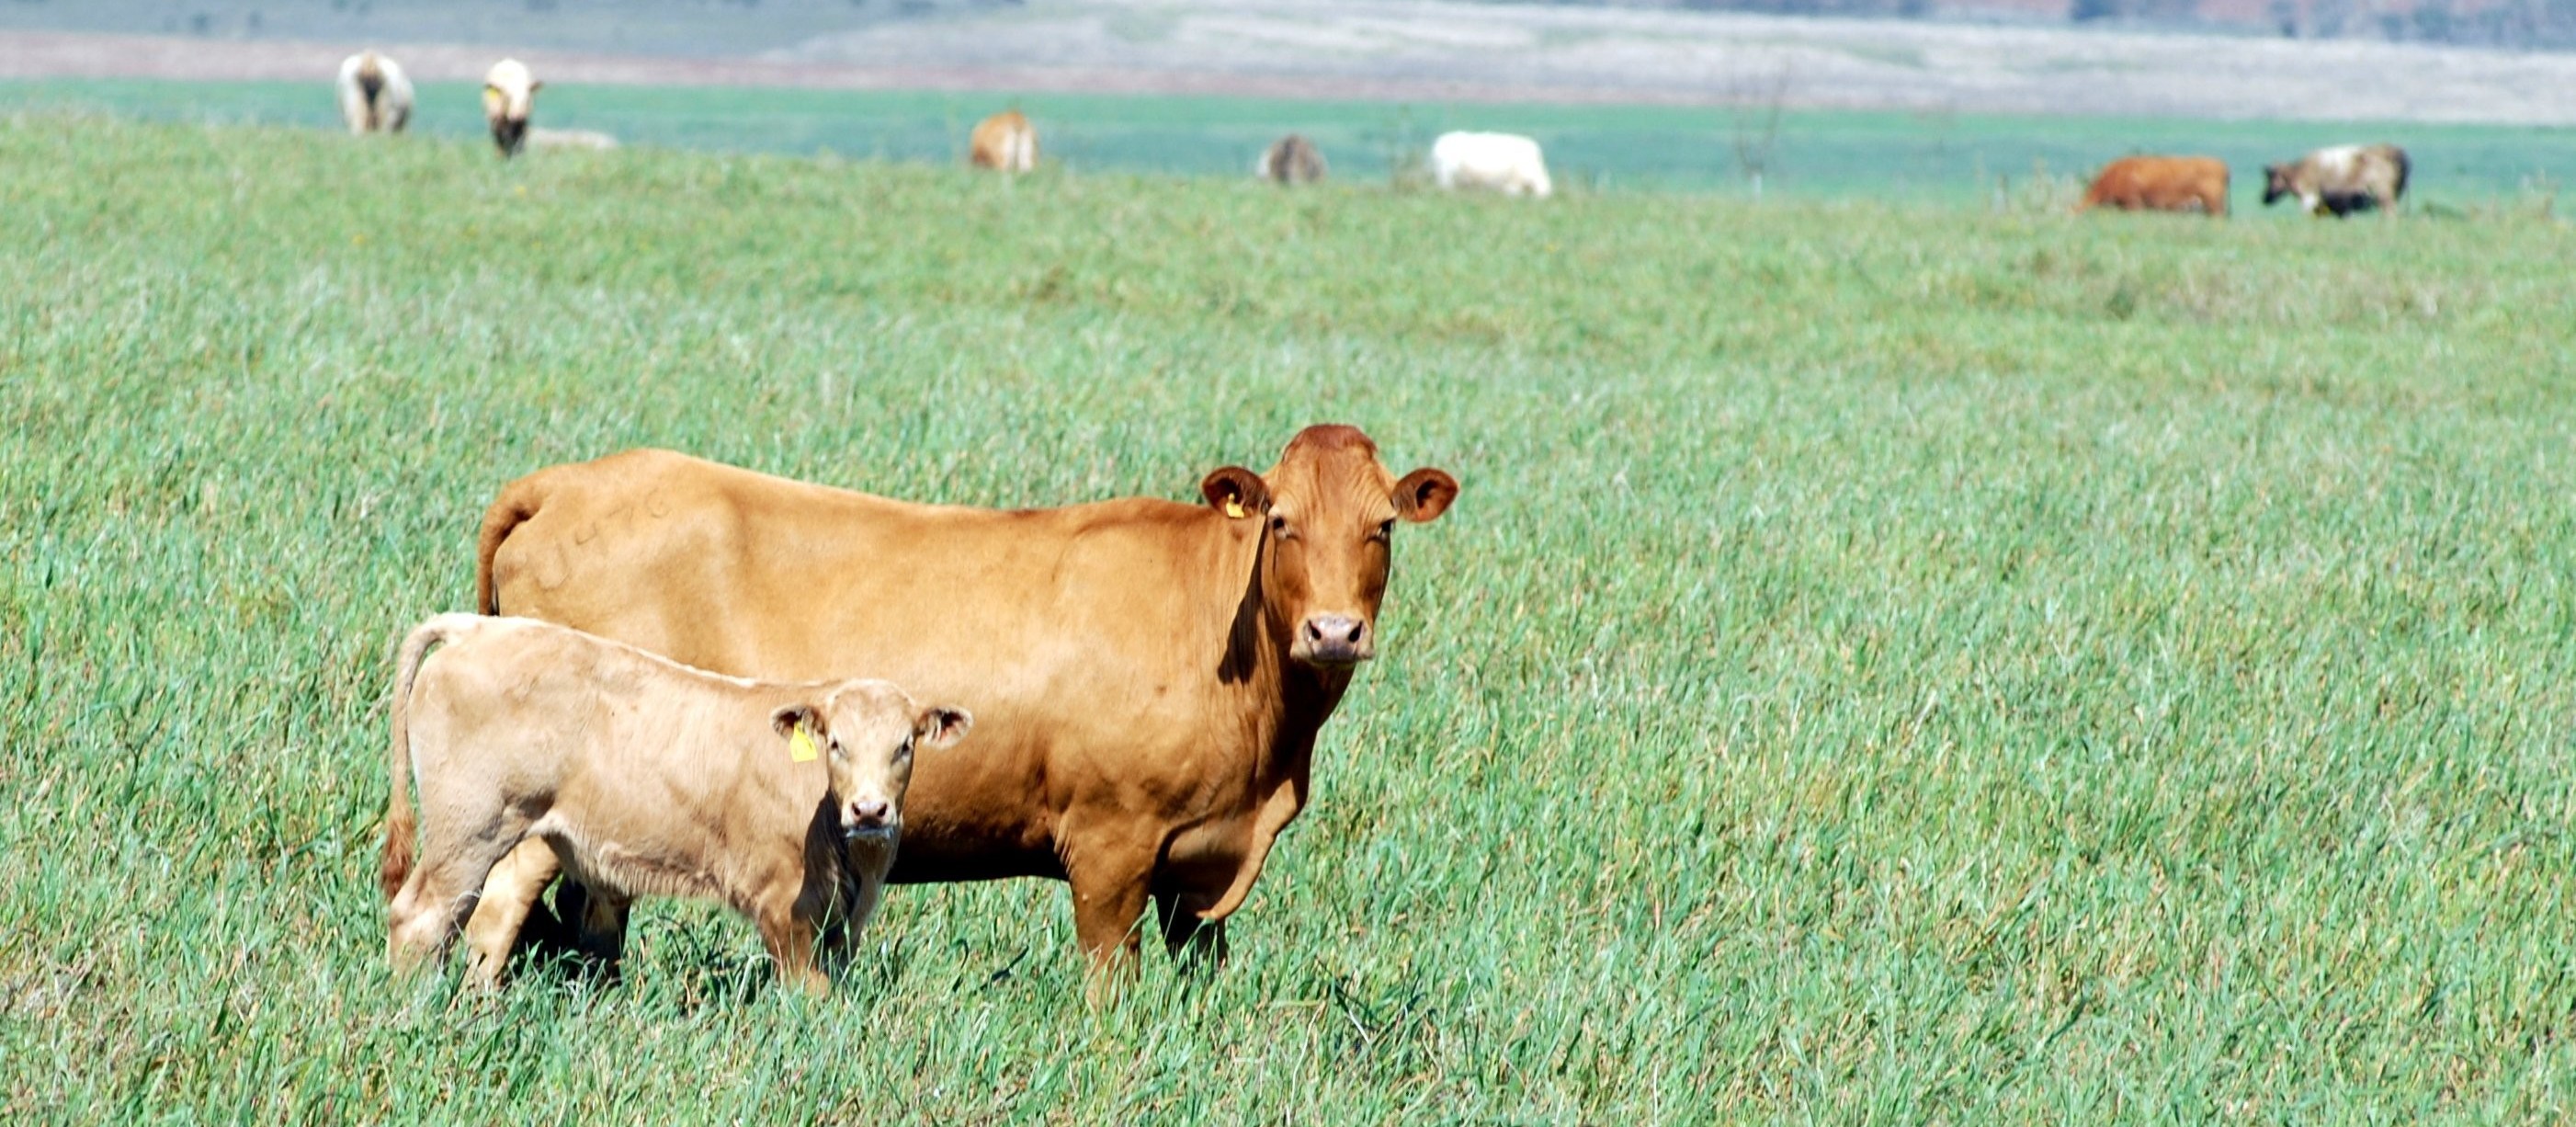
[1196, 944]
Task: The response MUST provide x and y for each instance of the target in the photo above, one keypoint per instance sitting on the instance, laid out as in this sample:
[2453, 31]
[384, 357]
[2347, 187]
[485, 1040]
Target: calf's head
[509, 96]
[867, 732]
[1329, 510]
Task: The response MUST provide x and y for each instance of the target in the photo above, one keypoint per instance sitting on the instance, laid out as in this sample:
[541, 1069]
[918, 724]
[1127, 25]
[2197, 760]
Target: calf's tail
[400, 825]
[518, 502]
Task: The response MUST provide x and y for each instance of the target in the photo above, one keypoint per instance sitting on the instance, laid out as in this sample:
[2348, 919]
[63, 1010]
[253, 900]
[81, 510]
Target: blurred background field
[1903, 156]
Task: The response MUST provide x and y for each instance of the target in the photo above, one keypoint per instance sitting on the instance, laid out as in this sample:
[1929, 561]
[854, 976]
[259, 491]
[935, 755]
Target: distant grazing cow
[2161, 184]
[646, 778]
[375, 97]
[2340, 180]
[509, 97]
[1501, 162]
[1291, 160]
[1147, 677]
[1004, 141]
[570, 139]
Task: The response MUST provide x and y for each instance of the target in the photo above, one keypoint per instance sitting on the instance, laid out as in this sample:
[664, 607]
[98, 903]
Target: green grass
[1887, 663]
[1821, 154]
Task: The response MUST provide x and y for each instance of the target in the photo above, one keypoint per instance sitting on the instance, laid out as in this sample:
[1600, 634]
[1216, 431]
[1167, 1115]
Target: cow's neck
[1292, 698]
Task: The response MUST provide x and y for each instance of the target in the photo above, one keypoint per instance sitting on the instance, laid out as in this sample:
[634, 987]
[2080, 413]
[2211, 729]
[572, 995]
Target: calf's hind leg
[510, 892]
[436, 897]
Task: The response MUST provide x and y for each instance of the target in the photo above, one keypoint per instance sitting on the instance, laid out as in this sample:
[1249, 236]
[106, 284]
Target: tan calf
[645, 777]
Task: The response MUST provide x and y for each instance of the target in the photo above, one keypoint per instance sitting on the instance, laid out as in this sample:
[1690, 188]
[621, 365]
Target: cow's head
[509, 97]
[867, 732]
[1328, 511]
[2276, 183]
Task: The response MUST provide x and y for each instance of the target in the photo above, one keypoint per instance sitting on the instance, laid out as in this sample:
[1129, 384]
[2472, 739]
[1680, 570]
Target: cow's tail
[518, 502]
[400, 824]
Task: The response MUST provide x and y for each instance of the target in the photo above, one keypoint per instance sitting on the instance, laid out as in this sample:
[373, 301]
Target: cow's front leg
[1196, 944]
[1110, 884]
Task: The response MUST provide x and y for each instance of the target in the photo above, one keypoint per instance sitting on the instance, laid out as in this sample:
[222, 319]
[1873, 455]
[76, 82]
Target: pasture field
[1816, 154]
[1887, 663]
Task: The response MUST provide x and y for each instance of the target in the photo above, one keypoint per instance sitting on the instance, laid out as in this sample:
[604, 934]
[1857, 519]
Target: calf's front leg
[790, 940]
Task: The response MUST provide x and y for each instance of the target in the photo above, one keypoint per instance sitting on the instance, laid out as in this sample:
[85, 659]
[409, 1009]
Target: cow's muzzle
[1333, 640]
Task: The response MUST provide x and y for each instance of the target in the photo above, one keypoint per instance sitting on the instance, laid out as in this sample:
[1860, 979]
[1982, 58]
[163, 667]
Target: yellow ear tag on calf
[1234, 508]
[800, 747]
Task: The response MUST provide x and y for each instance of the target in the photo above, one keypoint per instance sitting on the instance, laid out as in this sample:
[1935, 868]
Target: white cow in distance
[375, 95]
[1500, 162]
[509, 97]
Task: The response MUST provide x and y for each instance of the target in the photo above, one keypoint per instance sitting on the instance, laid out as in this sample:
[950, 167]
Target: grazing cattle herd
[375, 97]
[687, 679]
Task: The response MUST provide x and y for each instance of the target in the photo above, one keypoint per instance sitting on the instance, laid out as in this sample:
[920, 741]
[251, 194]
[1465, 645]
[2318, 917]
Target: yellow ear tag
[1234, 508]
[800, 747]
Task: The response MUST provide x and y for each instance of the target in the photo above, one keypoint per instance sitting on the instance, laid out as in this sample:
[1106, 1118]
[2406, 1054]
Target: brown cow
[645, 777]
[1148, 677]
[1004, 141]
[2341, 180]
[2151, 183]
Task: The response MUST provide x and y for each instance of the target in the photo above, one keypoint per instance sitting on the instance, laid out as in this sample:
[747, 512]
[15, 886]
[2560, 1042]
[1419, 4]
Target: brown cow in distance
[1147, 677]
[2152, 183]
[1005, 141]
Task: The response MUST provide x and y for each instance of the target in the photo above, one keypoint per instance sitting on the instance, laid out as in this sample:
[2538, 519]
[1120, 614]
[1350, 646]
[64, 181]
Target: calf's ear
[1424, 494]
[941, 726]
[787, 720]
[1235, 491]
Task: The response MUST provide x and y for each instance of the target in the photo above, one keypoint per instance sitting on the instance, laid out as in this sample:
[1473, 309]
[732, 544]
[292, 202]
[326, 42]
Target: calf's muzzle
[872, 817]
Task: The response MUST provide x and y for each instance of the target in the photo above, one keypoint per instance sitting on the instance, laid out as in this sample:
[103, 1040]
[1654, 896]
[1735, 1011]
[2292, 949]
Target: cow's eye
[1279, 527]
[1385, 530]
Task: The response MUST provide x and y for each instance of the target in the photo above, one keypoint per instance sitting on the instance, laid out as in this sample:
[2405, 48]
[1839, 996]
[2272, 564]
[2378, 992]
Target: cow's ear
[537, 85]
[941, 727]
[1424, 494]
[1235, 491]
[787, 720]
